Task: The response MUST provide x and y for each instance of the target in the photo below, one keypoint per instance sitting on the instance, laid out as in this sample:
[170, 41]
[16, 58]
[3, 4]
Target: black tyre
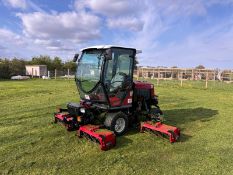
[116, 122]
[155, 115]
[156, 111]
[79, 134]
[55, 120]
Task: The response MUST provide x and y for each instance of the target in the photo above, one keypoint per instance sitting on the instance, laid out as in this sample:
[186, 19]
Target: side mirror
[75, 57]
[108, 54]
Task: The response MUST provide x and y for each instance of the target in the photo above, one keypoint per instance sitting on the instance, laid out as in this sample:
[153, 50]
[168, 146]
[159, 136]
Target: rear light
[152, 91]
[79, 118]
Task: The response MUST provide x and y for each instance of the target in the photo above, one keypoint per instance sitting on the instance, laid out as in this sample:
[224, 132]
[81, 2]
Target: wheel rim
[120, 125]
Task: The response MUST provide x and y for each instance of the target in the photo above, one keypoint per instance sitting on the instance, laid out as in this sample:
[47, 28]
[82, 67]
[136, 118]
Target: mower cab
[110, 98]
[104, 76]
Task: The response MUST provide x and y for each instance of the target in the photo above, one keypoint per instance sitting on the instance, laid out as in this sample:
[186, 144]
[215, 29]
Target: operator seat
[119, 85]
[117, 81]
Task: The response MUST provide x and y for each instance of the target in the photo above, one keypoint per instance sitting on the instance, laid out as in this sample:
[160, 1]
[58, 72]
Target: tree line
[15, 66]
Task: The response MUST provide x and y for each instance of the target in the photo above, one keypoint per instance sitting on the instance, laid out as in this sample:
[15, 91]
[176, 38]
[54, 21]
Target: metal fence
[204, 77]
[184, 74]
[67, 74]
[55, 74]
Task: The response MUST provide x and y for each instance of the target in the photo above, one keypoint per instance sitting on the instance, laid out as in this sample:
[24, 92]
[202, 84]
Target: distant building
[36, 70]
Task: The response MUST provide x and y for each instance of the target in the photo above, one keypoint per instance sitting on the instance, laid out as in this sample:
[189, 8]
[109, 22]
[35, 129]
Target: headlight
[82, 110]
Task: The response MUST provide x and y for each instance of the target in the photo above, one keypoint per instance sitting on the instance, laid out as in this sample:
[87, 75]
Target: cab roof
[108, 47]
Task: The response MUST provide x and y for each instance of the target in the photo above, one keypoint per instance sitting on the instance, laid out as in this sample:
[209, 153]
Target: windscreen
[89, 69]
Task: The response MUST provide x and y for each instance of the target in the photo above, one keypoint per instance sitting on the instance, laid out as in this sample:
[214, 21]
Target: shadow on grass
[122, 141]
[184, 137]
[184, 116]
[176, 117]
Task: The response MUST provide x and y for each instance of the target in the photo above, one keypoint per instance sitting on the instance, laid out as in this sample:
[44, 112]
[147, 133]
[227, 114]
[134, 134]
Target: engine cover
[73, 109]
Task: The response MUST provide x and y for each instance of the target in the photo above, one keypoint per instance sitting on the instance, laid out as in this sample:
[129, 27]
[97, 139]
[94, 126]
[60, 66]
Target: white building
[36, 70]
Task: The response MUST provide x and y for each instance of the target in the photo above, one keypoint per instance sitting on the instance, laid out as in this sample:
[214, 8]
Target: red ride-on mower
[111, 101]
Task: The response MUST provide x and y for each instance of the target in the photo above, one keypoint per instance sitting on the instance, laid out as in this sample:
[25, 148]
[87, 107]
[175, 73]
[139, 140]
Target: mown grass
[30, 144]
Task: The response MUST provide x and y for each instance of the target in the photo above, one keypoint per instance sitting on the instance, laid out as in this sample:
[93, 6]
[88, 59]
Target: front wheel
[117, 122]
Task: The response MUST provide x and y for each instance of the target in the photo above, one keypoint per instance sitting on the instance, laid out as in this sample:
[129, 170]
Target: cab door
[119, 77]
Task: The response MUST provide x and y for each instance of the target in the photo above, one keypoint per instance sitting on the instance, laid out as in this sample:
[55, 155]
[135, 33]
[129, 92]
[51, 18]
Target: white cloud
[9, 37]
[131, 14]
[133, 24]
[24, 5]
[15, 45]
[67, 25]
[179, 7]
[211, 48]
[11, 42]
[52, 33]
[59, 49]
[21, 4]
[119, 14]
[56, 45]
[111, 8]
[48, 42]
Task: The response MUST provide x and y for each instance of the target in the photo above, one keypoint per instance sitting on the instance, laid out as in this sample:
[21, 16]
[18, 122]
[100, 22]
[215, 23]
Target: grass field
[30, 144]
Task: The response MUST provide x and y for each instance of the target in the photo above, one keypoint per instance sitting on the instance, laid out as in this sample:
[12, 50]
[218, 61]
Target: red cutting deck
[173, 133]
[104, 137]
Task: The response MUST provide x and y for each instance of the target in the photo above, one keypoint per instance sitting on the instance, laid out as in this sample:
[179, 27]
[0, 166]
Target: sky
[183, 33]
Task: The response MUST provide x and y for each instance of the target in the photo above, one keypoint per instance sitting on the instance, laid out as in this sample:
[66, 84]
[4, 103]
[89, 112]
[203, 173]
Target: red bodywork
[161, 129]
[143, 85]
[128, 99]
[104, 137]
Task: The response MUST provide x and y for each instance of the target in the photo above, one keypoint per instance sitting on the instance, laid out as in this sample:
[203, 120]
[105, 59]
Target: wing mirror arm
[108, 54]
[75, 57]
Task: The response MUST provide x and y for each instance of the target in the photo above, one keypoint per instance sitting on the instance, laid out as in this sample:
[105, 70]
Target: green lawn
[30, 144]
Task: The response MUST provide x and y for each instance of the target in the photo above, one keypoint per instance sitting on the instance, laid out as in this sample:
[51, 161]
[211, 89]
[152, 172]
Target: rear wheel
[117, 122]
[156, 111]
